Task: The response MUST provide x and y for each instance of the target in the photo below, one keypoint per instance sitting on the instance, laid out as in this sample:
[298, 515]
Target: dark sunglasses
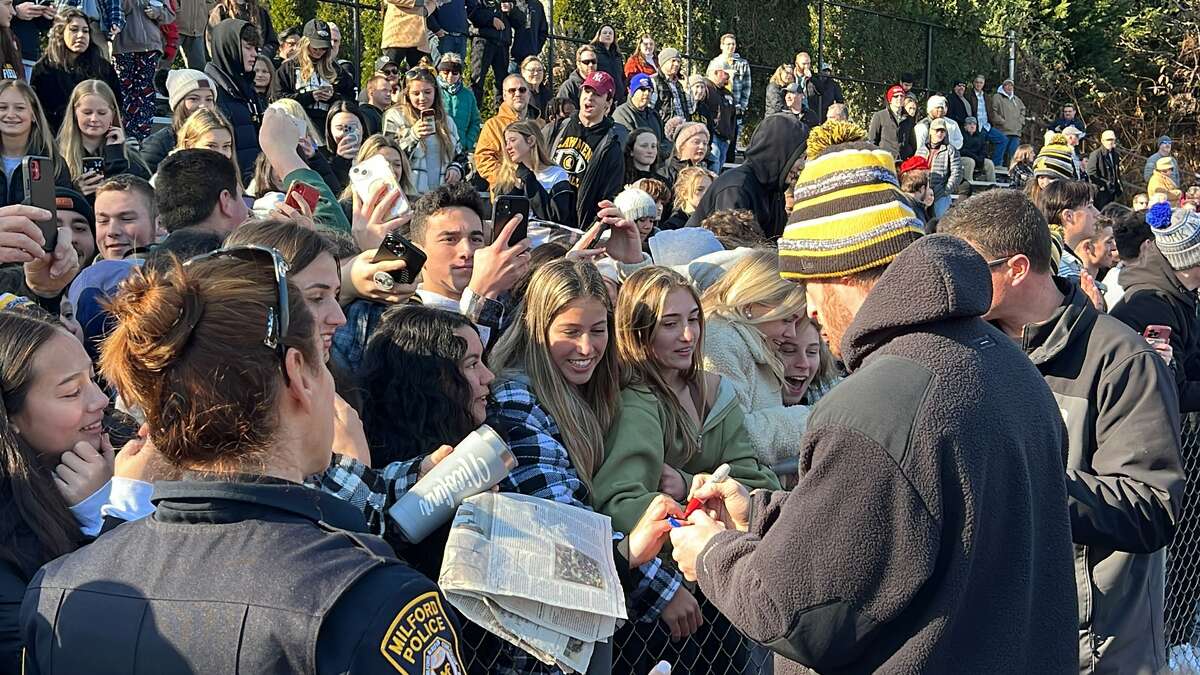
[451, 68]
[516, 90]
[419, 70]
[998, 261]
[390, 71]
[588, 62]
[278, 318]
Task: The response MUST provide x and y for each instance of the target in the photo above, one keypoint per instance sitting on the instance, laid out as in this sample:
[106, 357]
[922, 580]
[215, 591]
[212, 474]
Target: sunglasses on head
[419, 70]
[278, 317]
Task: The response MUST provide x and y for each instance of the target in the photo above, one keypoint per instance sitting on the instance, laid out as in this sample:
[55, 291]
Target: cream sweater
[740, 355]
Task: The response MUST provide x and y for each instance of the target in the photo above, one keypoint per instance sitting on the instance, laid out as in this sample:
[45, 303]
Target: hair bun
[155, 313]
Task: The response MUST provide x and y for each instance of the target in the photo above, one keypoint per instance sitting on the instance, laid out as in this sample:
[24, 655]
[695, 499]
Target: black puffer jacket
[157, 146]
[236, 97]
[759, 184]
[1155, 296]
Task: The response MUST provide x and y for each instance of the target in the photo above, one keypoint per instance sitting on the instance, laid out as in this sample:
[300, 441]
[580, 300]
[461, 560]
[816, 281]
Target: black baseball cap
[317, 32]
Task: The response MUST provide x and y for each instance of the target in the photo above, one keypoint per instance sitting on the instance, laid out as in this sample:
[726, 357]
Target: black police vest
[162, 598]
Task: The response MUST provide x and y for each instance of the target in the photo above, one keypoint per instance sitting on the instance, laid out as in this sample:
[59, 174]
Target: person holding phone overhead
[92, 140]
[428, 135]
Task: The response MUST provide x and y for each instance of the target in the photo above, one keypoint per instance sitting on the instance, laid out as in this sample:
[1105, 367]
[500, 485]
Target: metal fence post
[356, 33]
[820, 33]
[1012, 55]
[928, 56]
[550, 44]
[687, 40]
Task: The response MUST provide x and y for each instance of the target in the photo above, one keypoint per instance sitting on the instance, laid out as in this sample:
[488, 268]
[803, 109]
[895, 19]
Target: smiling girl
[526, 169]
[94, 130]
[53, 455]
[23, 131]
[555, 398]
[752, 312]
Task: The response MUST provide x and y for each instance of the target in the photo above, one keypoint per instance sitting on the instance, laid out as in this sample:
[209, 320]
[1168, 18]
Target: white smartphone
[367, 175]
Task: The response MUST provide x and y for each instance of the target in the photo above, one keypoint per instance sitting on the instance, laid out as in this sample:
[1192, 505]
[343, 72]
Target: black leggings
[409, 55]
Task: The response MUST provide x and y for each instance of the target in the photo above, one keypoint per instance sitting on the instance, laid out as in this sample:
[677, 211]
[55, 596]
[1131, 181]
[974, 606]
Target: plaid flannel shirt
[111, 13]
[371, 491]
[739, 79]
[543, 470]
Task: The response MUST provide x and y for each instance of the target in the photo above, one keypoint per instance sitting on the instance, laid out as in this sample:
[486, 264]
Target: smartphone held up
[39, 191]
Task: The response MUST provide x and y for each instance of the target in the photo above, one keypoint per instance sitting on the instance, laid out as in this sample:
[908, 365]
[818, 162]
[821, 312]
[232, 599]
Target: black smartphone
[505, 208]
[93, 164]
[396, 247]
[39, 191]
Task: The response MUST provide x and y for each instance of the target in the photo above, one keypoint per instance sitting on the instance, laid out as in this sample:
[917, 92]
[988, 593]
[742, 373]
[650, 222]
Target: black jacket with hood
[604, 163]
[1155, 296]
[929, 532]
[759, 184]
[236, 97]
[1124, 477]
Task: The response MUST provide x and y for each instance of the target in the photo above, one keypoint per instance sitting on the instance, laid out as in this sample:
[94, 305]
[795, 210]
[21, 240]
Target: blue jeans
[716, 154]
[1014, 142]
[1000, 142]
[449, 43]
[940, 206]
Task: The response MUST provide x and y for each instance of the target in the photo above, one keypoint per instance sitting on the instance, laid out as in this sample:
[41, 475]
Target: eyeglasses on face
[516, 90]
[278, 317]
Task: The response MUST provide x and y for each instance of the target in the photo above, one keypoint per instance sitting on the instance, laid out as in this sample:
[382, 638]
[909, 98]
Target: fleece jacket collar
[937, 278]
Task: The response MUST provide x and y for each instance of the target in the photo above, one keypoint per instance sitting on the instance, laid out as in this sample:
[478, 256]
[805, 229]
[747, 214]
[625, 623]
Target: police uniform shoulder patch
[421, 639]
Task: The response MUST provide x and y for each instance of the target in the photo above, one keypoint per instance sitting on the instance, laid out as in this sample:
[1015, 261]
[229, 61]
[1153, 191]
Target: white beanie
[636, 204]
[936, 101]
[184, 81]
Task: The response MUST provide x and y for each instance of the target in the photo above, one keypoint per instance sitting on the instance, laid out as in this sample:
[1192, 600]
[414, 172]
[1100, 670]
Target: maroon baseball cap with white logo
[601, 83]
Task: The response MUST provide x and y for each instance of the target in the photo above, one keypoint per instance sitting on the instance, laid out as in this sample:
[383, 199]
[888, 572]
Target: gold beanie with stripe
[849, 214]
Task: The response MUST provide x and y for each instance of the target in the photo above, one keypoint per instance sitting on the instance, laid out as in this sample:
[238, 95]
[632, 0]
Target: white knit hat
[636, 204]
[935, 102]
[184, 81]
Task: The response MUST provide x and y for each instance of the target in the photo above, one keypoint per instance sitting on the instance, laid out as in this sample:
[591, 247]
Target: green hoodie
[635, 451]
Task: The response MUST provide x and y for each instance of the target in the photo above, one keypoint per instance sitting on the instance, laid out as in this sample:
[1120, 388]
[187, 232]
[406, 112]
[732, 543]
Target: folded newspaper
[537, 573]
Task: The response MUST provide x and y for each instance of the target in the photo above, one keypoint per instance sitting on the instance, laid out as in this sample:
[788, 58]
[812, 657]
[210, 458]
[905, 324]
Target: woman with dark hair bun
[267, 574]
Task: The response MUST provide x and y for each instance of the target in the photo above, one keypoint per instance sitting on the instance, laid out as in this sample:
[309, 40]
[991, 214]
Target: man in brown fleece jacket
[929, 532]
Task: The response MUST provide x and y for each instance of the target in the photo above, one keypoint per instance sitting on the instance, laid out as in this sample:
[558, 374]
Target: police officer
[240, 568]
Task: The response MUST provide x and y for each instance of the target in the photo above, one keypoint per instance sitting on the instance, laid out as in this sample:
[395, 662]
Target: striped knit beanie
[1056, 159]
[1177, 235]
[849, 214]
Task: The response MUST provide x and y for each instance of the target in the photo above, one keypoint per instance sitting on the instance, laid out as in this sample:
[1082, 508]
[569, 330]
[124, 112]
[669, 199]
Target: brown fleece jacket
[929, 532]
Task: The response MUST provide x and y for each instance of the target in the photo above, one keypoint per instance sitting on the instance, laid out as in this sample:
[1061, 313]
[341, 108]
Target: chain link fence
[1183, 563]
[717, 648]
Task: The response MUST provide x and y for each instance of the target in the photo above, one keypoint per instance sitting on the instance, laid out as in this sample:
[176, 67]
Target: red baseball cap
[601, 83]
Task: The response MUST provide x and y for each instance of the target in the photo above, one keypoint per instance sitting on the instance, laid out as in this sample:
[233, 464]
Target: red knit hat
[891, 93]
[914, 163]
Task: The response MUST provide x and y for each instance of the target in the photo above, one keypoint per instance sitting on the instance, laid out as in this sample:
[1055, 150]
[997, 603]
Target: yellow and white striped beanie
[849, 214]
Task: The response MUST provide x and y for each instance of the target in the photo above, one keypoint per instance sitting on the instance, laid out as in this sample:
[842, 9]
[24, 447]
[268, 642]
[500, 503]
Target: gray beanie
[1178, 240]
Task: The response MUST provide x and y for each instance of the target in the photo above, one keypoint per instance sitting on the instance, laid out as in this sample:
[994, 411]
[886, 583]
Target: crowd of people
[946, 369]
